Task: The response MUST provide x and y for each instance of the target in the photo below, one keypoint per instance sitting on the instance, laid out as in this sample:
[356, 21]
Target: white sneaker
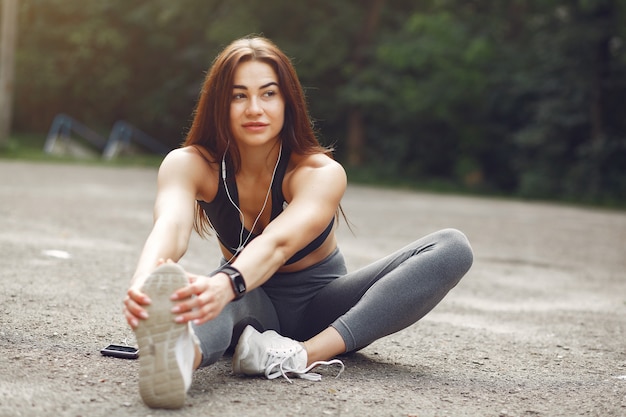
[166, 348]
[273, 355]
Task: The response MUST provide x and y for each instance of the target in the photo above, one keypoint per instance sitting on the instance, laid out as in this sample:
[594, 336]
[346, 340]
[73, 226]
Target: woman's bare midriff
[318, 255]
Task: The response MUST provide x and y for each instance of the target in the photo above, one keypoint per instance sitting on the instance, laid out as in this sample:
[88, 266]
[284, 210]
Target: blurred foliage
[522, 97]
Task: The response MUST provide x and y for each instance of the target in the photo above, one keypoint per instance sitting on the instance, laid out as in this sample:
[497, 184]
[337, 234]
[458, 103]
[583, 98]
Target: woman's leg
[386, 296]
[324, 345]
[221, 333]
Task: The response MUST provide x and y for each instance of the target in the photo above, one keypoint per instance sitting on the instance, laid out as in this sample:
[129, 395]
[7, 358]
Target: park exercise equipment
[123, 137]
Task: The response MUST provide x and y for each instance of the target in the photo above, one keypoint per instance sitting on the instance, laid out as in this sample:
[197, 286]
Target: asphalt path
[536, 328]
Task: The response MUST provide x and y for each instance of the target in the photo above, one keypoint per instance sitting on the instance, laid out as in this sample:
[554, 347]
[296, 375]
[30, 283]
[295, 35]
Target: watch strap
[236, 280]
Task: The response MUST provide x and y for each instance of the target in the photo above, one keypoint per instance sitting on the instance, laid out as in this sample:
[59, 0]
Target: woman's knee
[458, 248]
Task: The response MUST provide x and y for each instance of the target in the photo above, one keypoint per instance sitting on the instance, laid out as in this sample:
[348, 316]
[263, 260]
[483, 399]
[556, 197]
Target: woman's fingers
[138, 296]
[183, 293]
[133, 307]
[199, 314]
[196, 286]
[131, 313]
[161, 261]
[131, 319]
[188, 303]
[206, 305]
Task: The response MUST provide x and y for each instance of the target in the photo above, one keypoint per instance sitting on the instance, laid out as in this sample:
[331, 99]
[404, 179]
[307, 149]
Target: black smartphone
[119, 351]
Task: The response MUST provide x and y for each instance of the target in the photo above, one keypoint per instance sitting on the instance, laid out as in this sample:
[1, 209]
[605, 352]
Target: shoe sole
[241, 351]
[161, 383]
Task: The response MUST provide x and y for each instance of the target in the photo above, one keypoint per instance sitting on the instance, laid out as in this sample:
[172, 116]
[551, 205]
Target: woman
[252, 171]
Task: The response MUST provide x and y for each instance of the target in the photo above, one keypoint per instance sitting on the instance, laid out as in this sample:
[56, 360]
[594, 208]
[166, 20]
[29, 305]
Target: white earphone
[243, 243]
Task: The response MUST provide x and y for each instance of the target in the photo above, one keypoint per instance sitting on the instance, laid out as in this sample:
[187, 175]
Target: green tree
[523, 96]
[8, 33]
[423, 95]
[564, 101]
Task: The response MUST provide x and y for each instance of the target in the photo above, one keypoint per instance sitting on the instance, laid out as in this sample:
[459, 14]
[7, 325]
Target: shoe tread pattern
[161, 383]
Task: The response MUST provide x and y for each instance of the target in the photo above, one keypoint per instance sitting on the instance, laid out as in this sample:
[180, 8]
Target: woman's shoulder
[187, 160]
[189, 155]
[316, 167]
[314, 161]
[190, 165]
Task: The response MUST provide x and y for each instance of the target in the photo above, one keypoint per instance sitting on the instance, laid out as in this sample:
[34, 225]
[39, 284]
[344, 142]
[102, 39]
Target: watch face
[237, 281]
[240, 284]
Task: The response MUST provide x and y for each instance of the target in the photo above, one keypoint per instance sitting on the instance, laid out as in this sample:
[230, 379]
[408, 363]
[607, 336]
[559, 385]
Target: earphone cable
[243, 243]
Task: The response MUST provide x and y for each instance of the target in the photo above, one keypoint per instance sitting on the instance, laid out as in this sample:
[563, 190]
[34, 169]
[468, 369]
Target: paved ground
[537, 328]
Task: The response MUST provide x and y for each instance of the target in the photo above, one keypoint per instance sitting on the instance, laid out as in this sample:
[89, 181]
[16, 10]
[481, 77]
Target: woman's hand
[136, 300]
[203, 299]
[134, 303]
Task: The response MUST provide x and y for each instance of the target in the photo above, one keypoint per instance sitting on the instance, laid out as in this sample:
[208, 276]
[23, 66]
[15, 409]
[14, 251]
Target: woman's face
[257, 107]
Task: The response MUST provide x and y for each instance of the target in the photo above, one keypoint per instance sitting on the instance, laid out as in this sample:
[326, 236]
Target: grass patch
[30, 147]
[23, 147]
[373, 177]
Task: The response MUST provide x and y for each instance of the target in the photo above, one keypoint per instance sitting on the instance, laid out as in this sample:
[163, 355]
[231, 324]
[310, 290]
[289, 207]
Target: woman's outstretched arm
[173, 222]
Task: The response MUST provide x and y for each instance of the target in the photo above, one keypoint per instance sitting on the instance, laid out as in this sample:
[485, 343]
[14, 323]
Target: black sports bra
[226, 221]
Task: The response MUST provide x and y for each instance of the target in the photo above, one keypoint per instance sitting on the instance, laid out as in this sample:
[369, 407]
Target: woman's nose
[254, 106]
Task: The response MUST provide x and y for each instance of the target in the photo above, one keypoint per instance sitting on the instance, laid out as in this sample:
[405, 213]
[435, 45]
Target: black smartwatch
[236, 279]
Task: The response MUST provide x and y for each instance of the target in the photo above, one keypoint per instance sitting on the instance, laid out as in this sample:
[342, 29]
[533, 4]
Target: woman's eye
[238, 96]
[270, 93]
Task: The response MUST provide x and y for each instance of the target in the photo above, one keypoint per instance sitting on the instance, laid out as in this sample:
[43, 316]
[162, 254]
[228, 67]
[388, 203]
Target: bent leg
[217, 335]
[391, 294]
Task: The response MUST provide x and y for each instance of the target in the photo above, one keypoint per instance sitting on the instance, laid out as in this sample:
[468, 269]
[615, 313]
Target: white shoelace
[279, 361]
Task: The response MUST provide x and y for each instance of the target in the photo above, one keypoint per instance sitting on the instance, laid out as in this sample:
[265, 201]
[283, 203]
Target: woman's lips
[255, 126]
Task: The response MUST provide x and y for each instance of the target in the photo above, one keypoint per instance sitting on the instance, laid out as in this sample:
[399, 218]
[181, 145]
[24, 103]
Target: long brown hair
[210, 128]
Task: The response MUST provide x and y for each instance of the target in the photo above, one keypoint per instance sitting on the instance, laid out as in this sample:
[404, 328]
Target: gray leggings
[363, 306]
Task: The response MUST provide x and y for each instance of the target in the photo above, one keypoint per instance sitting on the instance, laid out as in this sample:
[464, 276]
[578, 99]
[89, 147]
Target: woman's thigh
[341, 295]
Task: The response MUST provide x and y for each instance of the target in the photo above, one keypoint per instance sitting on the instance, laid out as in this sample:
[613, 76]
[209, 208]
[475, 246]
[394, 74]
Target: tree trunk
[356, 123]
[356, 137]
[601, 72]
[602, 64]
[7, 66]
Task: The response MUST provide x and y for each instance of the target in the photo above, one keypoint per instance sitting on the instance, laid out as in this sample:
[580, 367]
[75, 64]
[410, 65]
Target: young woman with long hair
[252, 173]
